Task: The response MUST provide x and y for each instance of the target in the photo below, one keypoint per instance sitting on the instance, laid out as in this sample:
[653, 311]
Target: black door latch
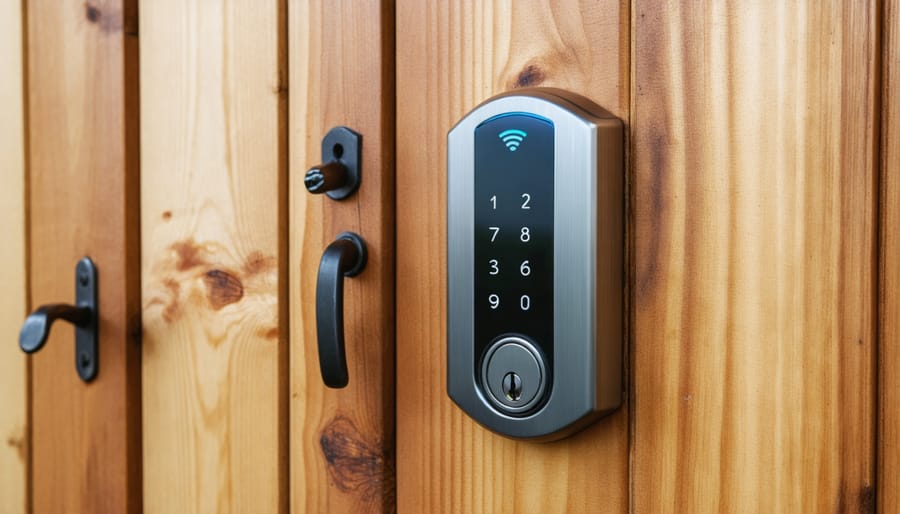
[84, 315]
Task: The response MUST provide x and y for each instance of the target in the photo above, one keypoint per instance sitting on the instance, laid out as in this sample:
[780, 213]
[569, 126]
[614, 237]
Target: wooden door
[762, 303]
[461, 54]
[236, 97]
[753, 191]
[341, 62]
[82, 148]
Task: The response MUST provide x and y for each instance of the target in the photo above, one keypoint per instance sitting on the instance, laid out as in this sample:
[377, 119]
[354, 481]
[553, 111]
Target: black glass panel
[514, 231]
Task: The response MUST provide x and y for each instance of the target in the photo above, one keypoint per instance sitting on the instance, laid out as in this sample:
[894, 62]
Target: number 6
[525, 269]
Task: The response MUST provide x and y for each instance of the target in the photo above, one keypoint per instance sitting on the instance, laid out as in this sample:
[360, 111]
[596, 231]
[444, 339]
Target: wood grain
[83, 193]
[754, 151]
[889, 294]
[450, 57]
[342, 440]
[213, 220]
[14, 448]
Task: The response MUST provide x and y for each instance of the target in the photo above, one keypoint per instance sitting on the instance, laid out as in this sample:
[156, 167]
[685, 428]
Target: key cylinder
[514, 375]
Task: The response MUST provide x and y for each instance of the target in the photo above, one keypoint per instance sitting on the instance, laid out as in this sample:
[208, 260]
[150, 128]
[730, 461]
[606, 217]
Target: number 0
[525, 302]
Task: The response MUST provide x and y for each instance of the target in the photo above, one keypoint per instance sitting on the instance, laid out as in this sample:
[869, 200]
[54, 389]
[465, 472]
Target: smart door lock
[535, 263]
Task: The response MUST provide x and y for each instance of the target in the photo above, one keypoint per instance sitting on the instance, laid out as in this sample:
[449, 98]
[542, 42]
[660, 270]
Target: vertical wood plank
[83, 195]
[342, 73]
[450, 57]
[14, 451]
[213, 103]
[889, 295]
[755, 256]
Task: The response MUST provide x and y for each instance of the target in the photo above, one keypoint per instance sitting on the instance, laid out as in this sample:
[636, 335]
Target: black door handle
[345, 257]
[37, 325]
[83, 315]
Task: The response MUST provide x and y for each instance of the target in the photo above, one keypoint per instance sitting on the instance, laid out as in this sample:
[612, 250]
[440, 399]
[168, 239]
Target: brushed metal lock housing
[535, 263]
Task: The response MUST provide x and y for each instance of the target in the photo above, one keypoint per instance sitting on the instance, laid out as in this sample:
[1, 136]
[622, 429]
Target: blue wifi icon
[512, 138]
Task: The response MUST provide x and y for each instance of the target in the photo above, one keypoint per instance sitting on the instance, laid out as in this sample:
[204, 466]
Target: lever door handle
[83, 315]
[345, 257]
[37, 325]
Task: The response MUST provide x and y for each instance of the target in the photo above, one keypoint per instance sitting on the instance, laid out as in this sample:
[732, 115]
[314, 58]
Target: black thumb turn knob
[325, 177]
[340, 175]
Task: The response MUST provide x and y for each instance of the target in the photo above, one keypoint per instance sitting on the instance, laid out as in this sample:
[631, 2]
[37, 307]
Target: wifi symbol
[512, 138]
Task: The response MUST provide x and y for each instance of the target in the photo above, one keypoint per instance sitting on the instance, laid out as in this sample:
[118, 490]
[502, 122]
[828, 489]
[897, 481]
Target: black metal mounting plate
[87, 356]
[344, 145]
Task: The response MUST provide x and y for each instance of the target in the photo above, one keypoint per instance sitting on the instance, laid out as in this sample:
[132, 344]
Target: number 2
[527, 198]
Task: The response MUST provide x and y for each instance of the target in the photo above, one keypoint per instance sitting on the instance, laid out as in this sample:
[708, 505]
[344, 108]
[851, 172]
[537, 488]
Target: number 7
[496, 231]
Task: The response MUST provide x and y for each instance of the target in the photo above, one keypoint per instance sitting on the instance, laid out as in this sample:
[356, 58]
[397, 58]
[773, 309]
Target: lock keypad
[513, 293]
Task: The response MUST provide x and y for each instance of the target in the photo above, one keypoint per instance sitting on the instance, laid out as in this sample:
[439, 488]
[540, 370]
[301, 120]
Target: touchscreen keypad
[514, 158]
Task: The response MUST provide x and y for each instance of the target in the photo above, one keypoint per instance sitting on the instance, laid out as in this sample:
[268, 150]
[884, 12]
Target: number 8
[525, 235]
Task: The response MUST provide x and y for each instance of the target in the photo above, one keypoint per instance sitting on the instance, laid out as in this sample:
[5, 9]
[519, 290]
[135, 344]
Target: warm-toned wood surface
[754, 152]
[889, 297]
[450, 57]
[213, 213]
[83, 193]
[13, 377]
[342, 441]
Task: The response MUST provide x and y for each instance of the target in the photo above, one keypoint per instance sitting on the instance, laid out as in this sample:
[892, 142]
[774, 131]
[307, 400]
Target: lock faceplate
[535, 229]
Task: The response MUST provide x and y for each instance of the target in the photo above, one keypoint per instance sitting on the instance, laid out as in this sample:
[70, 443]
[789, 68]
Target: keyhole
[512, 386]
